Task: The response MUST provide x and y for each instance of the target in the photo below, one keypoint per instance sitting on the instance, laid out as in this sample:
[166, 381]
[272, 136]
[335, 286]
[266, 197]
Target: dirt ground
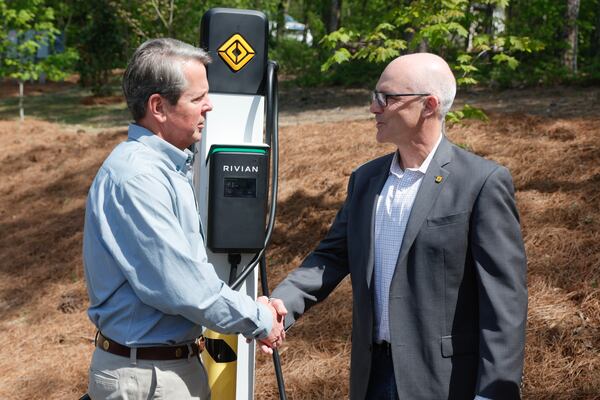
[548, 138]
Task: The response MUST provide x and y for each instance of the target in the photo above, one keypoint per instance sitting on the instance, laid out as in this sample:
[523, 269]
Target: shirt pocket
[448, 219]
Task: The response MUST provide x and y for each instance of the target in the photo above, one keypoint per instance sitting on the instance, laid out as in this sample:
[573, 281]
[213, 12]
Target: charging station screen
[240, 187]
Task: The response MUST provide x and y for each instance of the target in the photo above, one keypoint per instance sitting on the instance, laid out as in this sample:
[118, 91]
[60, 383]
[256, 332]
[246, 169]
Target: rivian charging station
[235, 178]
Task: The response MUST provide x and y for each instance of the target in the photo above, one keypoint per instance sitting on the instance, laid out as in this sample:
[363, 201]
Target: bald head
[422, 73]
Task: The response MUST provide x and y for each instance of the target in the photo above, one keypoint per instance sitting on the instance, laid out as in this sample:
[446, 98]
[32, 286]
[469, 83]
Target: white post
[21, 109]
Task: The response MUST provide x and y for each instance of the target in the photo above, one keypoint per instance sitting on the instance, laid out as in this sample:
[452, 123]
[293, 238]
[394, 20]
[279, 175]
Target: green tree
[101, 40]
[444, 26]
[26, 26]
[495, 42]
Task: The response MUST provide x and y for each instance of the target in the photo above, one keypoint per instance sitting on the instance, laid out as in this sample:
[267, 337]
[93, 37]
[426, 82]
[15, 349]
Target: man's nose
[375, 108]
[209, 105]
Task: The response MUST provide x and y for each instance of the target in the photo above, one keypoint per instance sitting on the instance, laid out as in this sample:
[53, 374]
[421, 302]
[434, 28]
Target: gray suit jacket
[458, 297]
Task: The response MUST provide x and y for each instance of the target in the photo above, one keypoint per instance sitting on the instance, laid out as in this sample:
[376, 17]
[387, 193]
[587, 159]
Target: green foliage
[346, 45]
[301, 65]
[440, 26]
[58, 66]
[590, 73]
[339, 56]
[27, 25]
[465, 69]
[101, 44]
[523, 47]
[316, 26]
[505, 58]
[358, 73]
[297, 61]
[31, 25]
[381, 45]
[544, 22]
[467, 112]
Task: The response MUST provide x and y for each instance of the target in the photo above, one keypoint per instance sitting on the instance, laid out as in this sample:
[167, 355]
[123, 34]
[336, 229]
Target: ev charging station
[235, 162]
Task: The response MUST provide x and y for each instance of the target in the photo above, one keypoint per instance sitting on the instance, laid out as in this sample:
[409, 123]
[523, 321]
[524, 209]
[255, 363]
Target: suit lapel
[375, 185]
[430, 188]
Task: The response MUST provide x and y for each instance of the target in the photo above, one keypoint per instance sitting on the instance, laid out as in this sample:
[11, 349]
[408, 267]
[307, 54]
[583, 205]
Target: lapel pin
[438, 179]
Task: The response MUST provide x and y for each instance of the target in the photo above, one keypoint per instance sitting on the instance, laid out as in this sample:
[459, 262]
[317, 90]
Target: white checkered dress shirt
[393, 209]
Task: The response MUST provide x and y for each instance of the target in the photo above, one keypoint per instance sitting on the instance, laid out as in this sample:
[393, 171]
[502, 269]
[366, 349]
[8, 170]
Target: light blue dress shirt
[148, 278]
[394, 205]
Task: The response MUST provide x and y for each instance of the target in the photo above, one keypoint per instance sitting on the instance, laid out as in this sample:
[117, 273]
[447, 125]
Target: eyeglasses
[381, 97]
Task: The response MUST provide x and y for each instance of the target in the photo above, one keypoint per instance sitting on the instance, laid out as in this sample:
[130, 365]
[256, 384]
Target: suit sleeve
[321, 271]
[500, 262]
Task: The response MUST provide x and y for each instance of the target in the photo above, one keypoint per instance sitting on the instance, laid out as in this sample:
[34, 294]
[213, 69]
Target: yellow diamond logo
[236, 52]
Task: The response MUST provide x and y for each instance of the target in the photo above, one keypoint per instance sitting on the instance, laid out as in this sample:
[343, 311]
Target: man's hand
[277, 334]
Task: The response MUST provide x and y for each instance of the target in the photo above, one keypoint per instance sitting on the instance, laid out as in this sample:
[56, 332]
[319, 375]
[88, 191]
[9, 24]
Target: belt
[151, 353]
[383, 347]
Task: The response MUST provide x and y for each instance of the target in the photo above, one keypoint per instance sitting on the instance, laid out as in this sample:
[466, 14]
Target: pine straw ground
[45, 170]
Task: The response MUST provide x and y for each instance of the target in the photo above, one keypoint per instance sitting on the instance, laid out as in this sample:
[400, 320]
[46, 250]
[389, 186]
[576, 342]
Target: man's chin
[380, 137]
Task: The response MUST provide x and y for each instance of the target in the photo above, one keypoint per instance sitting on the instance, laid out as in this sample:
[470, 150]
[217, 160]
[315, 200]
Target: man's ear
[432, 105]
[156, 107]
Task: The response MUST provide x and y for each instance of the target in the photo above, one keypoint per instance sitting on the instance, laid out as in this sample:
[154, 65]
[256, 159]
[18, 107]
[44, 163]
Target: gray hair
[446, 91]
[156, 67]
[438, 84]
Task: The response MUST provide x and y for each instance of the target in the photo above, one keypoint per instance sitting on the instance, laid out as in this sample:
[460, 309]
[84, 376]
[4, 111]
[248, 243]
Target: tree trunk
[21, 108]
[166, 21]
[365, 3]
[280, 20]
[489, 19]
[595, 47]
[570, 53]
[472, 28]
[498, 23]
[335, 16]
[305, 8]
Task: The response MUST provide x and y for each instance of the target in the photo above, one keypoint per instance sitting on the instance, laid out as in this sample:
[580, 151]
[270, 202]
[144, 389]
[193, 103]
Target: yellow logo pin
[438, 179]
[236, 52]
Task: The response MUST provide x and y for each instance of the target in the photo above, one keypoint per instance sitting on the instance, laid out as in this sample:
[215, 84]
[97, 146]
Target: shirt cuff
[265, 322]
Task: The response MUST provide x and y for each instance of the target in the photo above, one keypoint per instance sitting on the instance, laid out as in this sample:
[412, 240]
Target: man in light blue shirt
[150, 285]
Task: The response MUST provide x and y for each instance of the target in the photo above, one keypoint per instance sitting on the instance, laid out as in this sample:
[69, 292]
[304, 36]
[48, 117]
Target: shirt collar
[399, 172]
[180, 160]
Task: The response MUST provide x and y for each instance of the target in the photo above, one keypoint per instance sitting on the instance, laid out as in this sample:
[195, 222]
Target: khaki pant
[114, 377]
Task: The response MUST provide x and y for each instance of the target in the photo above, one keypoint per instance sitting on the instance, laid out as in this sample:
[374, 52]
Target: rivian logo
[236, 52]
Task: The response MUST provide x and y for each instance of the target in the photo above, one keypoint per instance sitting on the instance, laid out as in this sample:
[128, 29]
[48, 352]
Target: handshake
[277, 334]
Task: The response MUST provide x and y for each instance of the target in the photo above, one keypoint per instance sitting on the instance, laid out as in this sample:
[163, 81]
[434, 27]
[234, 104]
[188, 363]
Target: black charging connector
[234, 260]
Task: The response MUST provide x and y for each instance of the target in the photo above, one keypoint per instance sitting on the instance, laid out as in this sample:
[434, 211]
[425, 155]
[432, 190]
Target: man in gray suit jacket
[431, 238]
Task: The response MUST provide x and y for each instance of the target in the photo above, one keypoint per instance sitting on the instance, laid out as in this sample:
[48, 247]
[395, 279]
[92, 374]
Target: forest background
[529, 98]
[500, 43]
